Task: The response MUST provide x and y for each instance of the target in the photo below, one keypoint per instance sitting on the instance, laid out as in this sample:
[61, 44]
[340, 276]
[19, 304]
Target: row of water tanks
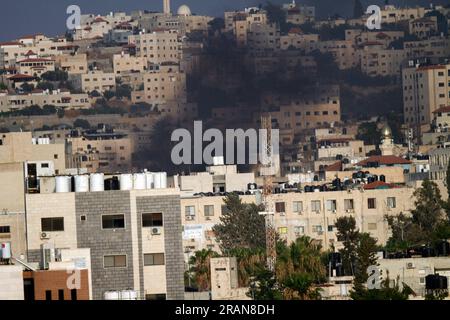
[96, 182]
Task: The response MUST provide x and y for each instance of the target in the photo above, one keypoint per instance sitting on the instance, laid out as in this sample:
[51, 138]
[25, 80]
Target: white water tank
[139, 181]
[160, 180]
[128, 295]
[63, 184]
[149, 180]
[82, 183]
[5, 250]
[126, 182]
[97, 182]
[112, 295]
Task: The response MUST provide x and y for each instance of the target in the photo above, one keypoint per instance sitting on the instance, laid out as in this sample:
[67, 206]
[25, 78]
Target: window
[152, 220]
[154, 259]
[189, 211]
[317, 228]
[52, 224]
[315, 206]
[5, 229]
[297, 206]
[208, 210]
[115, 261]
[391, 202]
[371, 203]
[60, 294]
[48, 295]
[372, 226]
[348, 205]
[331, 205]
[330, 228]
[115, 221]
[299, 230]
[44, 165]
[55, 156]
[283, 230]
[155, 297]
[280, 207]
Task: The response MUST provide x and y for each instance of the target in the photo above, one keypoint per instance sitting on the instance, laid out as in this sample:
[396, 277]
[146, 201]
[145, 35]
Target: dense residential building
[95, 80]
[157, 46]
[425, 89]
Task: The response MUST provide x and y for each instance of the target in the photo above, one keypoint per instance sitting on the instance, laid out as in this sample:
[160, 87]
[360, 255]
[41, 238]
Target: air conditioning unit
[410, 265]
[156, 231]
[282, 214]
[45, 235]
[334, 211]
[349, 210]
[189, 218]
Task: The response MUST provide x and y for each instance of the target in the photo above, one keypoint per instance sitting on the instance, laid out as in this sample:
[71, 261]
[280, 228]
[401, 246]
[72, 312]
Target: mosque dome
[386, 132]
[184, 10]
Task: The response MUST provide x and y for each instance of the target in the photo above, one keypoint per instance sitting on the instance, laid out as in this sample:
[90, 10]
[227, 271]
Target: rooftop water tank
[149, 180]
[160, 180]
[97, 183]
[111, 295]
[126, 182]
[128, 295]
[6, 250]
[139, 181]
[82, 183]
[63, 184]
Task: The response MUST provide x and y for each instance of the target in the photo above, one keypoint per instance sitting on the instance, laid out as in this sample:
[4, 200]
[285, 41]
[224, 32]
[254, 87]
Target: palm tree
[200, 264]
[300, 286]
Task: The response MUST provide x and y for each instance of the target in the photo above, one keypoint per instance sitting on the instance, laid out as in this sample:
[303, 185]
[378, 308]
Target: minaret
[166, 5]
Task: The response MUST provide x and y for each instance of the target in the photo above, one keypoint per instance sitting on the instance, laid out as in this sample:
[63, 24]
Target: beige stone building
[239, 22]
[100, 153]
[344, 52]
[425, 89]
[57, 98]
[433, 47]
[94, 81]
[72, 64]
[158, 46]
[378, 61]
[123, 63]
[298, 40]
[35, 66]
[391, 14]
[162, 84]
[263, 37]
[297, 214]
[423, 28]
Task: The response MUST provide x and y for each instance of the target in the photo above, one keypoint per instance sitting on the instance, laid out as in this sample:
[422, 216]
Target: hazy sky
[21, 17]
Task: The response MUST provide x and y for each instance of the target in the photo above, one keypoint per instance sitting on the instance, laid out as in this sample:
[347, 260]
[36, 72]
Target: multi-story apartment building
[343, 51]
[72, 64]
[263, 37]
[238, 23]
[100, 152]
[391, 14]
[359, 37]
[35, 66]
[298, 40]
[162, 84]
[158, 46]
[302, 214]
[95, 80]
[134, 237]
[57, 98]
[378, 61]
[127, 63]
[425, 89]
[96, 26]
[423, 28]
[433, 47]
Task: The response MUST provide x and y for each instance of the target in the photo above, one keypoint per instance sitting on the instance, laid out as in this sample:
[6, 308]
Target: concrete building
[298, 40]
[377, 61]
[239, 22]
[35, 66]
[158, 47]
[391, 14]
[344, 52]
[425, 89]
[134, 237]
[72, 64]
[126, 63]
[224, 280]
[93, 81]
[58, 98]
[433, 47]
[424, 28]
[12, 282]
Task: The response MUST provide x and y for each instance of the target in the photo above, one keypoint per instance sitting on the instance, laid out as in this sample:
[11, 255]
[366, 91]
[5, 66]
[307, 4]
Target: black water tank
[428, 252]
[112, 184]
[435, 282]
[383, 178]
[443, 249]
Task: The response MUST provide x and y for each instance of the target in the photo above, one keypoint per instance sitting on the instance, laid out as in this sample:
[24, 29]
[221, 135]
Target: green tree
[81, 123]
[27, 87]
[45, 85]
[386, 292]
[349, 235]
[365, 257]
[241, 225]
[57, 75]
[200, 269]
[264, 286]
[300, 286]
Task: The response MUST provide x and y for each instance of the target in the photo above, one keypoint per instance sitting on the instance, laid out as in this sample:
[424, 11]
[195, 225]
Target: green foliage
[386, 292]
[3, 86]
[264, 285]
[45, 85]
[81, 123]
[57, 75]
[365, 257]
[369, 133]
[33, 110]
[241, 225]
[348, 234]
[300, 286]
[27, 87]
[200, 269]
